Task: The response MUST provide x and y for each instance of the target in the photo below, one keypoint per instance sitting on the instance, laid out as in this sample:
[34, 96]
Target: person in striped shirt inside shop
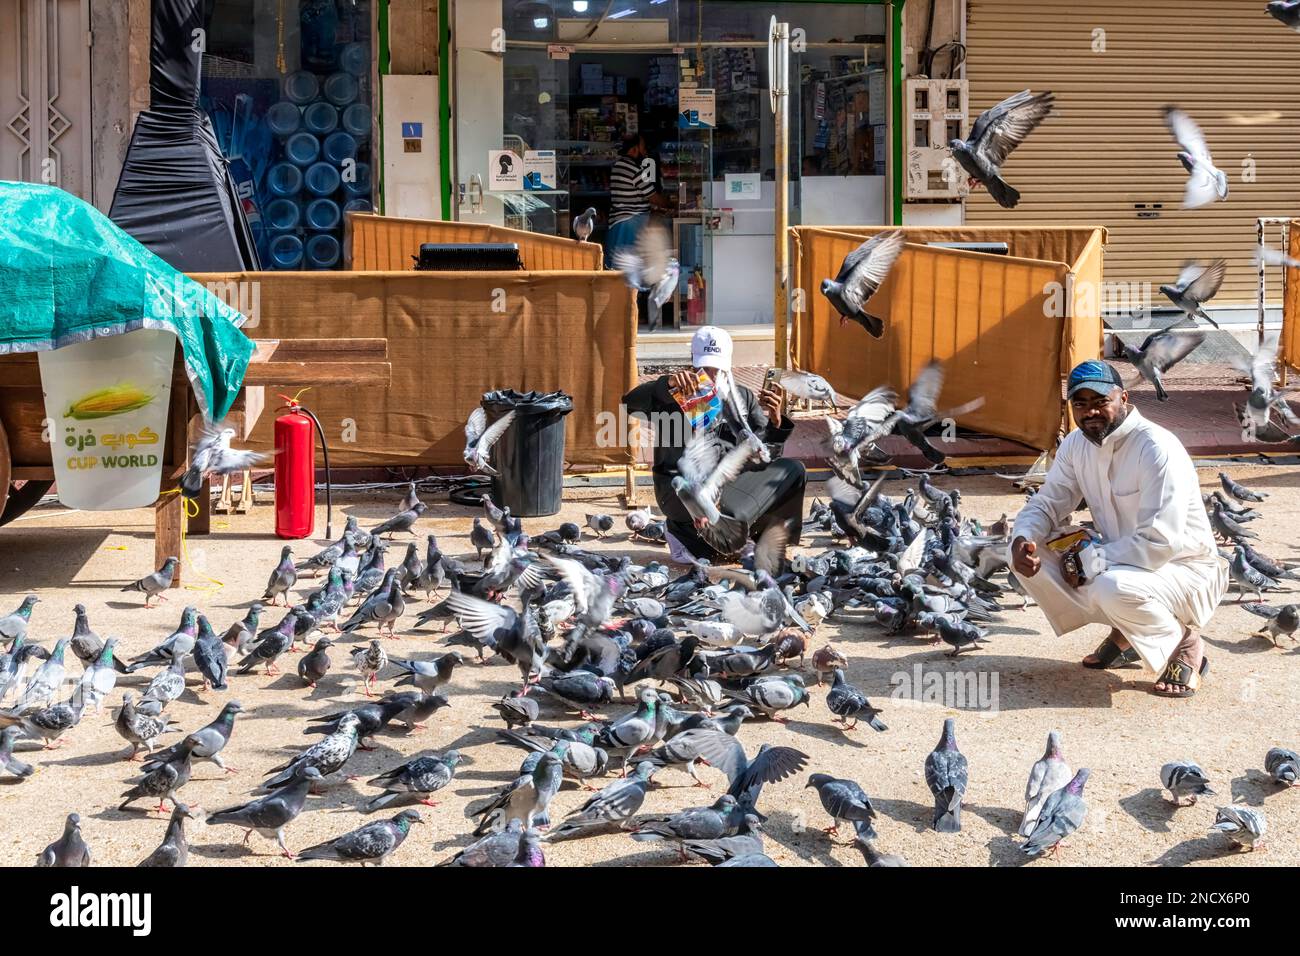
[633, 192]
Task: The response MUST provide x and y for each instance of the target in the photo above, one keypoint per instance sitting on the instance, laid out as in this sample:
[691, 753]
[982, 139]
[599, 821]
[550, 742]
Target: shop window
[289, 90]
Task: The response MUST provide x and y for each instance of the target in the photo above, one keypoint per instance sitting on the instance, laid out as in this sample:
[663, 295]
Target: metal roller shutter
[1106, 150]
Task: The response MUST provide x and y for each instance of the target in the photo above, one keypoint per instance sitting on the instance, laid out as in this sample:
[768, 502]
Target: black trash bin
[530, 455]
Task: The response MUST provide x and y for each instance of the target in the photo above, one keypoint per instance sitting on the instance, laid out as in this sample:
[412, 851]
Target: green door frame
[444, 94]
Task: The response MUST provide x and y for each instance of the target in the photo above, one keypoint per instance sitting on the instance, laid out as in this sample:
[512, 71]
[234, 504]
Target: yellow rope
[186, 505]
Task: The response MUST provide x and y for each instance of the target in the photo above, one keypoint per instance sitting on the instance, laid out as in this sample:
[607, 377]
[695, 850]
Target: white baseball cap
[711, 348]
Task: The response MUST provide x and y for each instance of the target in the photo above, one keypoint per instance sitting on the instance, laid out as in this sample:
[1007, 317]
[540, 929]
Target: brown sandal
[1179, 674]
[1111, 656]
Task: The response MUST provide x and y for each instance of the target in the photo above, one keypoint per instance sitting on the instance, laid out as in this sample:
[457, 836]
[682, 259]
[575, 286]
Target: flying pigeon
[1161, 351]
[998, 131]
[1196, 285]
[480, 437]
[1286, 12]
[705, 471]
[212, 455]
[1206, 183]
[863, 271]
[650, 266]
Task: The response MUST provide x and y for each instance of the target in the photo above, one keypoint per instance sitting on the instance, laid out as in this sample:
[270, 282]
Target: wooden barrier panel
[1288, 349]
[451, 337]
[388, 243]
[987, 318]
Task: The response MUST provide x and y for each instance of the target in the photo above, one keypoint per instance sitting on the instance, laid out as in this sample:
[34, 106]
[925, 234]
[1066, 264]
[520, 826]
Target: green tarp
[68, 274]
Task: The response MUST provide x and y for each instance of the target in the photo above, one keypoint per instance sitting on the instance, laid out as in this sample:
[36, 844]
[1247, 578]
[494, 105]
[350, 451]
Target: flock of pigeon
[663, 670]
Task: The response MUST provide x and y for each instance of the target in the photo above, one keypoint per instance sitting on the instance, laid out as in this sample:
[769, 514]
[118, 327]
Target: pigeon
[863, 271]
[527, 798]
[705, 470]
[239, 637]
[174, 851]
[601, 524]
[69, 849]
[271, 815]
[1240, 491]
[580, 758]
[866, 422]
[402, 521]
[638, 521]
[100, 678]
[1256, 415]
[747, 777]
[163, 778]
[867, 847]
[1206, 183]
[722, 818]
[11, 766]
[513, 634]
[210, 656]
[1286, 12]
[47, 680]
[844, 800]
[1062, 813]
[480, 437]
[947, 777]
[1247, 578]
[369, 661]
[772, 696]
[212, 455]
[47, 723]
[998, 131]
[745, 843]
[271, 643]
[419, 778]
[516, 709]
[372, 843]
[168, 685]
[1185, 780]
[416, 707]
[826, 660]
[207, 742]
[481, 538]
[1048, 774]
[650, 267]
[1195, 285]
[584, 224]
[428, 676]
[497, 849]
[1282, 765]
[325, 756]
[14, 626]
[845, 701]
[139, 728]
[580, 691]
[1228, 529]
[1242, 825]
[1161, 351]
[153, 585]
[921, 411]
[177, 645]
[809, 386]
[608, 810]
[1281, 621]
[284, 577]
[315, 664]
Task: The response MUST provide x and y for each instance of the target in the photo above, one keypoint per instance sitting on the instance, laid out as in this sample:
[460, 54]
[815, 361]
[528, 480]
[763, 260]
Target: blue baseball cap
[1095, 376]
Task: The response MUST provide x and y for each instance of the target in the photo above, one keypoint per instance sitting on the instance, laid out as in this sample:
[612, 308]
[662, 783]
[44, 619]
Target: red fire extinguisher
[295, 472]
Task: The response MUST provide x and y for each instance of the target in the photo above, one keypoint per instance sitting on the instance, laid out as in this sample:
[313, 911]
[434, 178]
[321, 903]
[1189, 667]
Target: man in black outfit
[760, 495]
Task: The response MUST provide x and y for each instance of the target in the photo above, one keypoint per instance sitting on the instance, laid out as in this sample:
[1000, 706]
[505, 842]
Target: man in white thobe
[1155, 577]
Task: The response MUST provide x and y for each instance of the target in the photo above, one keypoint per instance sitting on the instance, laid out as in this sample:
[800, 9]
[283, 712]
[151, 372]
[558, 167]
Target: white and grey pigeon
[1283, 766]
[705, 470]
[1244, 826]
[480, 437]
[1161, 351]
[1264, 398]
[1185, 780]
[649, 266]
[998, 131]
[14, 626]
[584, 224]
[1206, 183]
[212, 455]
[1048, 774]
[863, 271]
[810, 386]
[1062, 814]
[1196, 285]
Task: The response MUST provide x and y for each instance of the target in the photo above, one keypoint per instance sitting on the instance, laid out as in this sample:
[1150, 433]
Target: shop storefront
[289, 85]
[548, 92]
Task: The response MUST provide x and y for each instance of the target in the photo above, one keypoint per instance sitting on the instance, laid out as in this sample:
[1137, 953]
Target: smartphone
[772, 378]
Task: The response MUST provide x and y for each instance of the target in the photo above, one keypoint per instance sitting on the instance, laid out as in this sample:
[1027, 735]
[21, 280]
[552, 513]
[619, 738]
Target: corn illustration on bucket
[106, 404]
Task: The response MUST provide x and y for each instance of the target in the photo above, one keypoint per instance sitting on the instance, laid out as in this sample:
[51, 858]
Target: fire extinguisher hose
[325, 451]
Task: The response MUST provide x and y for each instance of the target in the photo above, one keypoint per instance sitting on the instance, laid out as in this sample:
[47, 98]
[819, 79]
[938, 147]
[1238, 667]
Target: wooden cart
[27, 469]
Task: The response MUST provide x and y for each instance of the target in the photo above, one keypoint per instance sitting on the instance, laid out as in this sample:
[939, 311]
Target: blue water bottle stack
[322, 127]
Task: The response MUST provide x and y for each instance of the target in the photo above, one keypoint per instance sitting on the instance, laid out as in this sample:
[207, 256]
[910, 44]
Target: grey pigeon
[498, 849]
[1048, 774]
[584, 224]
[69, 849]
[1206, 183]
[207, 742]
[600, 523]
[746, 842]
[100, 676]
[867, 847]
[168, 685]
[998, 131]
[174, 851]
[609, 809]
[705, 470]
[481, 538]
[1240, 491]
[402, 521]
[163, 778]
[271, 814]
[649, 267]
[844, 800]
[1281, 621]
[212, 455]
[210, 658]
[418, 778]
[13, 626]
[11, 766]
[178, 644]
[382, 608]
[153, 585]
[47, 723]
[241, 635]
[372, 843]
[315, 664]
[1161, 351]
[1282, 765]
[1062, 814]
[1195, 285]
[46, 681]
[428, 676]
[1286, 12]
[480, 437]
[516, 709]
[86, 644]
[1227, 528]
[283, 577]
[271, 643]
[1248, 578]
[1185, 781]
[527, 798]
[722, 818]
[514, 634]
[863, 271]
[947, 777]
[1244, 826]
[845, 701]
[139, 728]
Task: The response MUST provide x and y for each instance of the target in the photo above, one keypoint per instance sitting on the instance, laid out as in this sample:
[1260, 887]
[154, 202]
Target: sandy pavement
[1031, 680]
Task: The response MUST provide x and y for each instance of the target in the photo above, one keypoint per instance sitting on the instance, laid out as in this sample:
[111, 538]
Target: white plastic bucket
[107, 401]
